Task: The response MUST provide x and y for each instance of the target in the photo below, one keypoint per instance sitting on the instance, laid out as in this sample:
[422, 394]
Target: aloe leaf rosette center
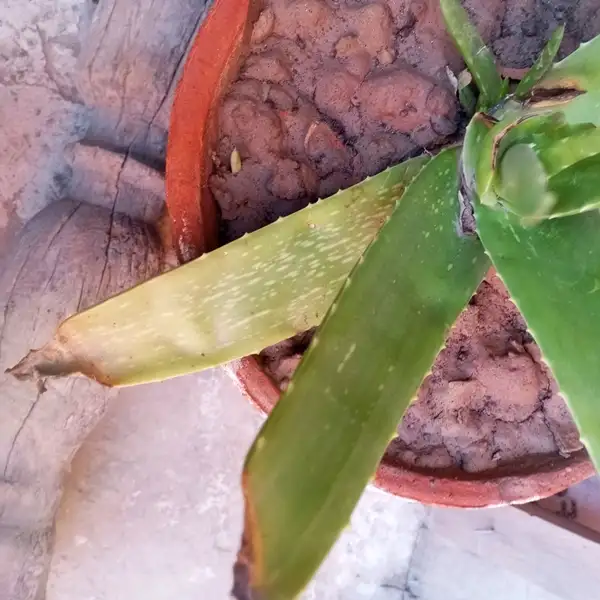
[534, 164]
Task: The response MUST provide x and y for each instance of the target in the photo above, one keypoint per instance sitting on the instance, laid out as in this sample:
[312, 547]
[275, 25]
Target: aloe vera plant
[385, 268]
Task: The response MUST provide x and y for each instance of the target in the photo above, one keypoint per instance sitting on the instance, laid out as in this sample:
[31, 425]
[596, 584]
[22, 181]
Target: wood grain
[128, 67]
[68, 258]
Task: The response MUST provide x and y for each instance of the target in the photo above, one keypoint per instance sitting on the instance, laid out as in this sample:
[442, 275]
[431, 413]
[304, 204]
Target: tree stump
[98, 240]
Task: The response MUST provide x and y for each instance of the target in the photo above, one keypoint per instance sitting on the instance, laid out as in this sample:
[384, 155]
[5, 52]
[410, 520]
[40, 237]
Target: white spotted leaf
[323, 441]
[234, 301]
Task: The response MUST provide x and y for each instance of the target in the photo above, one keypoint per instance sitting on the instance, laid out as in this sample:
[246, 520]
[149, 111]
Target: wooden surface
[68, 257]
[576, 509]
[75, 253]
[127, 69]
[117, 182]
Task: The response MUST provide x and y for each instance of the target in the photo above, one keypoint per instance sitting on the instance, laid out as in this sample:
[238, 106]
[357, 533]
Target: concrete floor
[152, 508]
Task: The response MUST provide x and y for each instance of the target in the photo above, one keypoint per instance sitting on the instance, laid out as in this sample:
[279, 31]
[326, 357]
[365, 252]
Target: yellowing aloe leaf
[324, 439]
[234, 301]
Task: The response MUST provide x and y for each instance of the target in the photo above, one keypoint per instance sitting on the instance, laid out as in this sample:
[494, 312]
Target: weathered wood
[68, 257]
[117, 182]
[128, 68]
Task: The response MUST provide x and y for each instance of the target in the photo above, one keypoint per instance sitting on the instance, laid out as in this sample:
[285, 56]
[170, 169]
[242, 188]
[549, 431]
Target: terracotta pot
[213, 60]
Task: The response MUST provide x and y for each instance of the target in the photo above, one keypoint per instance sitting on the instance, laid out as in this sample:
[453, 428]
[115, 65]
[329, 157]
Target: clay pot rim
[536, 478]
[194, 221]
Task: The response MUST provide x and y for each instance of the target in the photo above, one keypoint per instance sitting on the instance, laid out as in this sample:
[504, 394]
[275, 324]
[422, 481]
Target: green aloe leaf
[234, 301]
[552, 272]
[477, 55]
[324, 439]
[486, 155]
[585, 109]
[521, 165]
[556, 140]
[542, 65]
[523, 183]
[543, 131]
[579, 71]
[527, 187]
[477, 131]
[577, 189]
[565, 152]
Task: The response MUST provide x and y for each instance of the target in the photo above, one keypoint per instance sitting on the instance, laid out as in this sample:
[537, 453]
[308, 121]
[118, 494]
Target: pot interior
[328, 92]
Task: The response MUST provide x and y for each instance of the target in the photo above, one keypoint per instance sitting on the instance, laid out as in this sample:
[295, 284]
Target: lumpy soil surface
[333, 91]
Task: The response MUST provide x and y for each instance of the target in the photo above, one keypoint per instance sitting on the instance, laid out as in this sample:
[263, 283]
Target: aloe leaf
[476, 132]
[467, 100]
[547, 132]
[552, 272]
[542, 65]
[584, 109]
[537, 129]
[509, 123]
[526, 160]
[540, 128]
[577, 188]
[231, 302]
[537, 180]
[324, 439]
[477, 55]
[523, 183]
[565, 152]
[579, 71]
[543, 131]
[485, 171]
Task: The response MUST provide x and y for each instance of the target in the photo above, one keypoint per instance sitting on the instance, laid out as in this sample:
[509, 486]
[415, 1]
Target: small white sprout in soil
[236, 161]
